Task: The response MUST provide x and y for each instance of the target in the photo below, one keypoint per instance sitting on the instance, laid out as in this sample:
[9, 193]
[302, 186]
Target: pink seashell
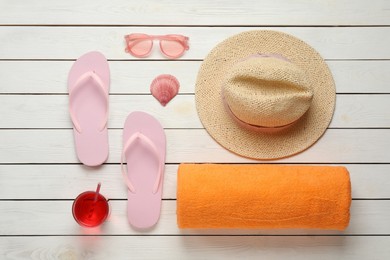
[164, 87]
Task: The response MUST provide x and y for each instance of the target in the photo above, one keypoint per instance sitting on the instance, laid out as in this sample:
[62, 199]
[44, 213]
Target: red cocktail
[90, 209]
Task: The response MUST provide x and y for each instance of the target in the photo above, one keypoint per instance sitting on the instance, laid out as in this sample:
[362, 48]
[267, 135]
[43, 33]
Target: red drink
[90, 209]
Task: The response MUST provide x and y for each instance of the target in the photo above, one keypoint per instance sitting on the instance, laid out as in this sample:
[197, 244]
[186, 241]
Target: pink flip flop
[88, 86]
[144, 154]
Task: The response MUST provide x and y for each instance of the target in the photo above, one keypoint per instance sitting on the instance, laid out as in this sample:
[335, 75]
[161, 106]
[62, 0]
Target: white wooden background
[40, 174]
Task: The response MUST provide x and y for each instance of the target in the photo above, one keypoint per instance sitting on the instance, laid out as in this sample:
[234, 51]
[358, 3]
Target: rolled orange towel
[263, 196]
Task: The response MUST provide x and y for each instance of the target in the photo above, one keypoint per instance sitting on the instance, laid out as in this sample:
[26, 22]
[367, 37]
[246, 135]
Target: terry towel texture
[263, 196]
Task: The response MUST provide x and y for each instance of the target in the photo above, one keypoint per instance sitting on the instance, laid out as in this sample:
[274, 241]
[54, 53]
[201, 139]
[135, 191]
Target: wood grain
[134, 77]
[369, 181]
[197, 12]
[48, 111]
[71, 42]
[195, 247]
[56, 146]
[367, 218]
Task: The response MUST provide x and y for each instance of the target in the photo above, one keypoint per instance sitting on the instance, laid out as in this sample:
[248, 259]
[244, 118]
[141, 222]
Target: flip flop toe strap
[140, 137]
[89, 75]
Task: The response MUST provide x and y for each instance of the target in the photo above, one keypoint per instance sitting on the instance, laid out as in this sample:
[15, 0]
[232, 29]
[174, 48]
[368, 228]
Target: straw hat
[265, 94]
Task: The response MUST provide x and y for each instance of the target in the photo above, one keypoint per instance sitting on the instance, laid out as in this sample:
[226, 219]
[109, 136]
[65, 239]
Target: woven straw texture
[254, 144]
[267, 91]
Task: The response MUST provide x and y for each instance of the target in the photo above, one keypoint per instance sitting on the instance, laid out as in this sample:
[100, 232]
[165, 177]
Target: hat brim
[264, 145]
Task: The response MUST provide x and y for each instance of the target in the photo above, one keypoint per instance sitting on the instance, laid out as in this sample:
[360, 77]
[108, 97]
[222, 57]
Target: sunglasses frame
[134, 38]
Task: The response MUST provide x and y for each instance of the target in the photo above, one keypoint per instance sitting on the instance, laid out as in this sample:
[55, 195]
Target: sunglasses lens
[171, 48]
[142, 48]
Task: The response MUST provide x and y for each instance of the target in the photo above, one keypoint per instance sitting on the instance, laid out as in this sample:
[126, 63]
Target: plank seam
[204, 25]
[199, 235]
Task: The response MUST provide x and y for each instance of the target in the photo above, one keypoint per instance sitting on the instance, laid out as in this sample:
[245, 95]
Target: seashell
[164, 87]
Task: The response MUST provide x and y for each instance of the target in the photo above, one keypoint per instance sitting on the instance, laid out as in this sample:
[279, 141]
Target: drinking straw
[97, 192]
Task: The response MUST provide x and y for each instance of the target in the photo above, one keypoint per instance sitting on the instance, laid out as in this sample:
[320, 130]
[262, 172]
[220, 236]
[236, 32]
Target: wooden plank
[283, 12]
[367, 218]
[331, 43]
[48, 111]
[67, 181]
[195, 247]
[31, 111]
[372, 111]
[370, 181]
[56, 146]
[134, 77]
[361, 76]
[127, 77]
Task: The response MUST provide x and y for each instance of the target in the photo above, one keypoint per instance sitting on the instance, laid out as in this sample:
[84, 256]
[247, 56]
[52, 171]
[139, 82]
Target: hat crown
[267, 91]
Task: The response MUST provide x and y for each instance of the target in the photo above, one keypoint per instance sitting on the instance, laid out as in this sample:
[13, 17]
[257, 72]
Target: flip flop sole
[144, 206]
[90, 107]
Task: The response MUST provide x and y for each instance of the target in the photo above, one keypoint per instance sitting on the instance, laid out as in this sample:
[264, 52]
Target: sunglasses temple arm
[185, 43]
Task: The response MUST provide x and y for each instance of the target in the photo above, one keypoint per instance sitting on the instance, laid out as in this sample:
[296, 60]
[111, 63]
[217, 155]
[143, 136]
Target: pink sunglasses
[171, 45]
